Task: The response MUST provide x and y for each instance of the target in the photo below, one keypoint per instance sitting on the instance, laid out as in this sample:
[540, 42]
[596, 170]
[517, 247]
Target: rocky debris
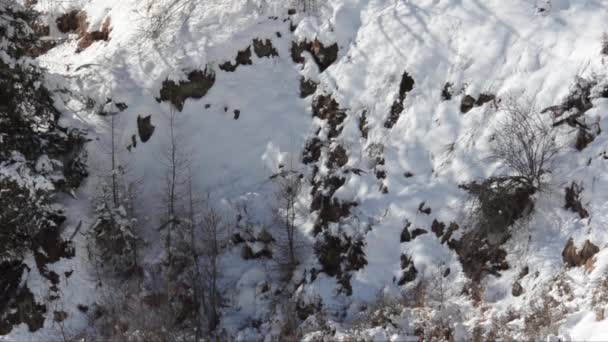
[145, 128]
[198, 84]
[307, 87]
[406, 85]
[468, 102]
[573, 201]
[323, 55]
[88, 38]
[243, 57]
[264, 48]
[574, 258]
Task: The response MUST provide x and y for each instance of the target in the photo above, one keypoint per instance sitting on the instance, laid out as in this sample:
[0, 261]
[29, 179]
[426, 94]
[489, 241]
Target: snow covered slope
[417, 87]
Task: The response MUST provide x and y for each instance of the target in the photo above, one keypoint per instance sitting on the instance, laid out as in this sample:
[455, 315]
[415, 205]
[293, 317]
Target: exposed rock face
[573, 201]
[468, 102]
[198, 84]
[574, 258]
[264, 48]
[326, 108]
[307, 87]
[339, 255]
[406, 85]
[88, 38]
[145, 127]
[243, 57]
[324, 56]
[408, 270]
[517, 290]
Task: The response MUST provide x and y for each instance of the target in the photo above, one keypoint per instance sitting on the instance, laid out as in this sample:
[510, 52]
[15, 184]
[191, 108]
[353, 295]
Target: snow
[506, 48]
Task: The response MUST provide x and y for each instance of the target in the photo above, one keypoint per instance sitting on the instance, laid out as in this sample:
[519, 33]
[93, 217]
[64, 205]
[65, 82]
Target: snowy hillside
[320, 170]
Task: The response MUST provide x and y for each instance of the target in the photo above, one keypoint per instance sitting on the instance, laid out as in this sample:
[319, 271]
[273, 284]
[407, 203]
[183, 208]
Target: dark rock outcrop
[198, 84]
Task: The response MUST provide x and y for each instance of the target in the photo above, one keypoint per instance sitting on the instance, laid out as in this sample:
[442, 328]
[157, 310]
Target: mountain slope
[386, 109]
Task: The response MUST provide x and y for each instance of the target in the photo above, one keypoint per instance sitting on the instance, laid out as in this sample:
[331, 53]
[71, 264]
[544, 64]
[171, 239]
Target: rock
[446, 92]
[451, 229]
[424, 210]
[583, 138]
[88, 38]
[572, 258]
[326, 108]
[484, 98]
[323, 56]
[573, 201]
[570, 255]
[246, 252]
[72, 21]
[337, 157]
[409, 271]
[406, 85]
[467, 103]
[363, 127]
[307, 87]
[198, 84]
[417, 232]
[264, 48]
[243, 57]
[588, 251]
[265, 237]
[237, 114]
[517, 289]
[145, 127]
[437, 228]
[405, 233]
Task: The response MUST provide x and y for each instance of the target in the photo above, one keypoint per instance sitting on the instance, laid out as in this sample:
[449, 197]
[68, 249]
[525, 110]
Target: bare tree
[289, 184]
[524, 143]
[213, 237]
[176, 163]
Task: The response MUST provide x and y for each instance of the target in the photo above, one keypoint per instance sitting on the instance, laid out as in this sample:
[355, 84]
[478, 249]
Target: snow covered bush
[115, 239]
[24, 213]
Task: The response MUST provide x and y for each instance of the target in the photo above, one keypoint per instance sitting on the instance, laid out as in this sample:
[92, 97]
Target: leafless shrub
[599, 300]
[524, 143]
